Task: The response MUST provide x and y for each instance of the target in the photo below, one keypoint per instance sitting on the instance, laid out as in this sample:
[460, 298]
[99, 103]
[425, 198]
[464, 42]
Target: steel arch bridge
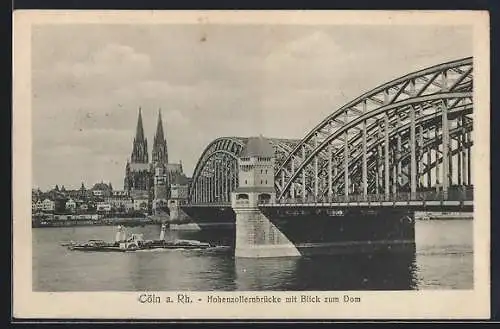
[408, 135]
[216, 173]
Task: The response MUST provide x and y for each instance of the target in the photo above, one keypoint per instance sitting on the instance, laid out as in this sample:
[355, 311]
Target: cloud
[175, 118]
[111, 62]
[303, 63]
[108, 66]
[145, 90]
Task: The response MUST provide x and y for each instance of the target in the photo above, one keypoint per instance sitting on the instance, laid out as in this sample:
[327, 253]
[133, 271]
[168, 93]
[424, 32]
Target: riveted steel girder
[358, 124]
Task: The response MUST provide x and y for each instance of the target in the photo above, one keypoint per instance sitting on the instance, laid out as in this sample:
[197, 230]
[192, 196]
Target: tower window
[261, 181]
[245, 181]
[266, 181]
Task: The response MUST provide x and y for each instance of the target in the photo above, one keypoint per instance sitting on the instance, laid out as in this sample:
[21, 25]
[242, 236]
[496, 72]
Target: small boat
[67, 243]
[176, 244]
[136, 242]
[92, 245]
[193, 243]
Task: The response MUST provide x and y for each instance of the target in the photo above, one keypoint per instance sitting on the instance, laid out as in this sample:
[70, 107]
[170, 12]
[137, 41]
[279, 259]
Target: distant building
[129, 206]
[141, 205]
[102, 190]
[119, 193]
[39, 205]
[160, 189]
[36, 194]
[83, 193]
[151, 181]
[179, 188]
[48, 205]
[119, 199]
[71, 205]
[103, 207]
[73, 194]
[137, 171]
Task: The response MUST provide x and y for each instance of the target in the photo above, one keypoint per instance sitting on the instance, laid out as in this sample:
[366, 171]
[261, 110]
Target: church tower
[160, 152]
[137, 172]
[160, 161]
[140, 146]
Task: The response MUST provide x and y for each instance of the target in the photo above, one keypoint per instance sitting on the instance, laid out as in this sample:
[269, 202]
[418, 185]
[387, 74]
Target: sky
[88, 82]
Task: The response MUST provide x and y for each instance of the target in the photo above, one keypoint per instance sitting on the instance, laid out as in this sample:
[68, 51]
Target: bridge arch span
[216, 173]
[359, 148]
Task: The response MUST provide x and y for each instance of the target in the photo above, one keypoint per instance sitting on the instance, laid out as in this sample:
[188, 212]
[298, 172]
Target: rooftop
[174, 167]
[102, 186]
[257, 147]
[180, 179]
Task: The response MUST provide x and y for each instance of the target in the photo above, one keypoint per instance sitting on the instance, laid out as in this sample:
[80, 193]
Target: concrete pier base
[258, 237]
[177, 214]
[195, 226]
[185, 227]
[331, 230]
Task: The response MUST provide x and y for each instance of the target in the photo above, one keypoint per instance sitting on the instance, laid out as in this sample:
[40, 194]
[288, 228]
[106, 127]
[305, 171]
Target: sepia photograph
[211, 156]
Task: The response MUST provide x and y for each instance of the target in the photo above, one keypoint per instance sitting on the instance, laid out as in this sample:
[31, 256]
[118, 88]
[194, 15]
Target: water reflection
[187, 270]
[265, 273]
[219, 236]
[335, 272]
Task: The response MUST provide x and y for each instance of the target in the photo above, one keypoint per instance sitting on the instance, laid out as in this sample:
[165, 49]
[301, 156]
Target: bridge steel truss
[406, 136]
[216, 173]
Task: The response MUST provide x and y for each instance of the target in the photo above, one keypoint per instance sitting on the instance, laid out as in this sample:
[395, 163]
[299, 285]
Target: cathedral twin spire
[140, 147]
[160, 153]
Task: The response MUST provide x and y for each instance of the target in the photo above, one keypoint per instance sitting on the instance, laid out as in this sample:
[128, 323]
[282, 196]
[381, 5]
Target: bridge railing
[211, 204]
[453, 194]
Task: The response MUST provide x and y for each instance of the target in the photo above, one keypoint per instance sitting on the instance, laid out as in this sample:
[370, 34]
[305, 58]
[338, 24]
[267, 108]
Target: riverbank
[444, 215]
[99, 222]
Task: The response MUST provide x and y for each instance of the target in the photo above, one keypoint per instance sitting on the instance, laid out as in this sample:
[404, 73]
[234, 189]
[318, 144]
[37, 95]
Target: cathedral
[149, 183]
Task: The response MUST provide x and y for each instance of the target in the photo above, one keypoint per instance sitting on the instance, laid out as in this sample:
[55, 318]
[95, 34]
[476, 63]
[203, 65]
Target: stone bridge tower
[256, 235]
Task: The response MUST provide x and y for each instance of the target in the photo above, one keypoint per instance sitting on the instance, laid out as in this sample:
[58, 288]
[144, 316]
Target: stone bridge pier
[263, 230]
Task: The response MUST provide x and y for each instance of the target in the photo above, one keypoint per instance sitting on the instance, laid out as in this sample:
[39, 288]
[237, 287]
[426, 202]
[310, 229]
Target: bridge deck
[429, 200]
[371, 204]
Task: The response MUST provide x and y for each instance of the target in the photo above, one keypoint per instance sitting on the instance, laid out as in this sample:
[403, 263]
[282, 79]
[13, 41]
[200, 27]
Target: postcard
[251, 165]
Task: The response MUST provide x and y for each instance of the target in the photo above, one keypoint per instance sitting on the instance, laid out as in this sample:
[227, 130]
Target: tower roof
[258, 146]
[101, 186]
[159, 137]
[140, 146]
[139, 133]
[160, 152]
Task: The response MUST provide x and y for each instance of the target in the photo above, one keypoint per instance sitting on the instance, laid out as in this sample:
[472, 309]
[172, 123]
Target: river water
[443, 260]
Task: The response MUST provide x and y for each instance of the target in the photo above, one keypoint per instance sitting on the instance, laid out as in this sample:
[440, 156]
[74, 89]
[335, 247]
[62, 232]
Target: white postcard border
[427, 304]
